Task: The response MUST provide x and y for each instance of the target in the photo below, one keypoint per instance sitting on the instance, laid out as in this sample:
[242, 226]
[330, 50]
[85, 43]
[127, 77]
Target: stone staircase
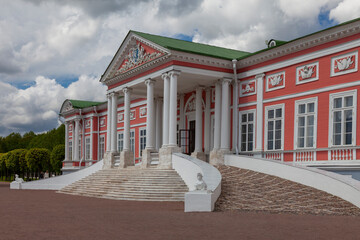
[132, 183]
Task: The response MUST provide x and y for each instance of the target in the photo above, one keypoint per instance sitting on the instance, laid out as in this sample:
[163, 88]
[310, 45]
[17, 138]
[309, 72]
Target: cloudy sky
[51, 50]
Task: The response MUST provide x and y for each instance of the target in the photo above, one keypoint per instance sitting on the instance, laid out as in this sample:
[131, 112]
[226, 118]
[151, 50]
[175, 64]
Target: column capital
[226, 80]
[150, 81]
[165, 75]
[112, 94]
[127, 90]
[200, 88]
[174, 73]
[262, 75]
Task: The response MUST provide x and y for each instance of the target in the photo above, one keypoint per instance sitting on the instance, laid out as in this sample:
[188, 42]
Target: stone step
[135, 188]
[131, 198]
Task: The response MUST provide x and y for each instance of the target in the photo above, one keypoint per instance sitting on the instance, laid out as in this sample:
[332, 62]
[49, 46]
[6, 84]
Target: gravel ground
[245, 190]
[31, 214]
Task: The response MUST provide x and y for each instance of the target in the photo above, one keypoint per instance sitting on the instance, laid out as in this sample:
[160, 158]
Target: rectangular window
[101, 147]
[274, 127]
[305, 122]
[247, 129]
[87, 148]
[343, 118]
[142, 138]
[120, 141]
[132, 141]
[70, 151]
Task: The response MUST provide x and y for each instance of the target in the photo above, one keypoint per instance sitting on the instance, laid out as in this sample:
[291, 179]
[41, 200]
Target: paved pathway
[247, 190]
[40, 214]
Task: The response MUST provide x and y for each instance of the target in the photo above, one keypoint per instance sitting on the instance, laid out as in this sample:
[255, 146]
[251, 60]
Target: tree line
[30, 155]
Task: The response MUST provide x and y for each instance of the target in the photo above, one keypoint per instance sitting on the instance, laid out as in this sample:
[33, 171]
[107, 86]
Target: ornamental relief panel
[307, 73]
[275, 81]
[343, 64]
[143, 112]
[137, 55]
[190, 106]
[87, 123]
[120, 117]
[102, 122]
[132, 115]
[247, 88]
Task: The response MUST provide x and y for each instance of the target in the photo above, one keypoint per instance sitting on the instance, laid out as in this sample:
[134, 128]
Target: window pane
[250, 146]
[250, 137]
[310, 142]
[243, 146]
[243, 128]
[337, 139]
[244, 118]
[278, 134]
[301, 142]
[243, 138]
[337, 128]
[348, 101]
[270, 135]
[337, 116]
[250, 128]
[251, 117]
[278, 112]
[348, 127]
[301, 132]
[348, 115]
[348, 138]
[270, 145]
[337, 102]
[301, 121]
[270, 125]
[278, 124]
[277, 144]
[311, 107]
[310, 120]
[271, 114]
[310, 131]
[302, 108]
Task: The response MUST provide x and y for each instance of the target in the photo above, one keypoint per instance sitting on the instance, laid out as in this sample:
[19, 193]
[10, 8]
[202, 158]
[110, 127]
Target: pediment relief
[135, 54]
[67, 106]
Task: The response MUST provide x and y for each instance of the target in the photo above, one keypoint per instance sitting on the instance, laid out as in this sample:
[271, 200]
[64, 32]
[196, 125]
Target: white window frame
[120, 147]
[101, 148]
[332, 96]
[273, 107]
[253, 111]
[87, 148]
[142, 136]
[132, 141]
[70, 149]
[296, 122]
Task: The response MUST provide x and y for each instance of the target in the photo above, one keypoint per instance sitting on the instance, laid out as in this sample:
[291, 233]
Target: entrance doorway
[192, 136]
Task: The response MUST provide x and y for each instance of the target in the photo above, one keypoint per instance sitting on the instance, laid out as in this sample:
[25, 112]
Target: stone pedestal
[146, 157]
[217, 156]
[126, 159]
[109, 160]
[165, 156]
[199, 201]
[199, 155]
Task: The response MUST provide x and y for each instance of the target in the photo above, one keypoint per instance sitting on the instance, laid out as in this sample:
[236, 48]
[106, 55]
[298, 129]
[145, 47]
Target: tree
[38, 159]
[3, 169]
[15, 161]
[57, 156]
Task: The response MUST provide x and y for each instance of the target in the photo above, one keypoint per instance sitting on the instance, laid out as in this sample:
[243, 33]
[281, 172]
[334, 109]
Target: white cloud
[346, 10]
[36, 108]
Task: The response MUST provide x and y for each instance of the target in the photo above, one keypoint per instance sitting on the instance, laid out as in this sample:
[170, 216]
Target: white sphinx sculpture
[17, 179]
[200, 184]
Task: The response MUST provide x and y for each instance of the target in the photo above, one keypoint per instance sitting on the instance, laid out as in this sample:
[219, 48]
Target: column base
[109, 160]
[217, 157]
[165, 156]
[199, 155]
[126, 159]
[146, 157]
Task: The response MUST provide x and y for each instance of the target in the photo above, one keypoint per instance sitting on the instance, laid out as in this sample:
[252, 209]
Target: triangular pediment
[134, 53]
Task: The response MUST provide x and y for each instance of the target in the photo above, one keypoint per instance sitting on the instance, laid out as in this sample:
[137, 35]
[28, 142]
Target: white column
[207, 121]
[225, 115]
[198, 118]
[217, 127]
[76, 139]
[127, 92]
[91, 136]
[259, 112]
[158, 123]
[73, 141]
[166, 79]
[66, 141]
[108, 124]
[235, 117]
[114, 97]
[173, 107]
[150, 116]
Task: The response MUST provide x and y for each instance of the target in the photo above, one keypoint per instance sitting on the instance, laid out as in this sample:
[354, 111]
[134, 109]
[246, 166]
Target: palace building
[296, 101]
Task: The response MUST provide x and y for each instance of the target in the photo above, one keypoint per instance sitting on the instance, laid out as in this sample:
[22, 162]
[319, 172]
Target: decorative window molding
[274, 125]
[120, 141]
[133, 115]
[87, 148]
[343, 64]
[143, 112]
[307, 73]
[305, 122]
[120, 117]
[342, 118]
[247, 88]
[247, 125]
[275, 81]
[102, 122]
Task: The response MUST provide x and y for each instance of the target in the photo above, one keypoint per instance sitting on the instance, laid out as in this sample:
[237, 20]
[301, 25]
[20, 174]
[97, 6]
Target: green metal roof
[79, 104]
[191, 47]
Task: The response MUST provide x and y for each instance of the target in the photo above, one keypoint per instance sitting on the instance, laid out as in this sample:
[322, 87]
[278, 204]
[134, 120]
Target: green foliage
[3, 157]
[15, 161]
[57, 156]
[38, 159]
